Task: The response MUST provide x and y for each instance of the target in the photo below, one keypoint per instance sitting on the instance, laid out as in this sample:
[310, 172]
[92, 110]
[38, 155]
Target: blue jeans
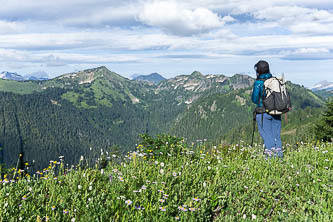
[270, 132]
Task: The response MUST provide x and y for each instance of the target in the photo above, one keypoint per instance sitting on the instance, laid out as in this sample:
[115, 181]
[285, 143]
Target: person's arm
[256, 92]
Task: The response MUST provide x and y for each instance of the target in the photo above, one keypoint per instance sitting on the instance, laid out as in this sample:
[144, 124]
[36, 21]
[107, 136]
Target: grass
[172, 182]
[27, 87]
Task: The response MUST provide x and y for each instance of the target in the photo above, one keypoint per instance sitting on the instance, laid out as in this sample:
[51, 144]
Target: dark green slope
[228, 117]
[213, 116]
[67, 117]
[45, 126]
[326, 94]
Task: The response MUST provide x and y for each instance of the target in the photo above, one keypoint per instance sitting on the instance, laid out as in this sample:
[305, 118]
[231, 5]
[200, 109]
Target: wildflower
[174, 174]
[162, 208]
[20, 218]
[156, 162]
[47, 218]
[81, 158]
[204, 184]
[254, 217]
[90, 188]
[73, 219]
[53, 208]
[162, 200]
[162, 164]
[209, 168]
[65, 211]
[143, 187]
[191, 209]
[161, 191]
[165, 196]
[246, 187]
[161, 171]
[176, 218]
[128, 202]
[139, 208]
[24, 197]
[79, 187]
[102, 171]
[121, 179]
[196, 199]
[244, 216]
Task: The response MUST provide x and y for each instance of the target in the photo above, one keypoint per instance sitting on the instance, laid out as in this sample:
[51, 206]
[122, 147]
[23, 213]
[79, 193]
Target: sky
[169, 37]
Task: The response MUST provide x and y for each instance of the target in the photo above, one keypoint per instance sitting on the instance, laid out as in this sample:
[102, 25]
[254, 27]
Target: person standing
[269, 126]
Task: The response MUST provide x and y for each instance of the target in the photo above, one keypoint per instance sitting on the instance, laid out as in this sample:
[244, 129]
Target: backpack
[276, 99]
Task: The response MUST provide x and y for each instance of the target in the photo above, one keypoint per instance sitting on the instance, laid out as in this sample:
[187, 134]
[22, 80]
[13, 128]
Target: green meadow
[166, 179]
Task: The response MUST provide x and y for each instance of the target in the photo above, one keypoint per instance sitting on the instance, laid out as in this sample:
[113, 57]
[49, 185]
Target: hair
[262, 67]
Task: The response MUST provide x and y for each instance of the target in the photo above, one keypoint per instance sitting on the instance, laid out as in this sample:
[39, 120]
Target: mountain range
[14, 76]
[82, 112]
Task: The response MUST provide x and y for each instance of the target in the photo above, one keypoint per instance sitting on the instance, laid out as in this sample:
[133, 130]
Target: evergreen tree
[324, 129]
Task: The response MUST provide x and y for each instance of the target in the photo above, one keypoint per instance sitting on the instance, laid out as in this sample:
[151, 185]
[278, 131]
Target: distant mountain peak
[323, 85]
[11, 76]
[154, 78]
[196, 73]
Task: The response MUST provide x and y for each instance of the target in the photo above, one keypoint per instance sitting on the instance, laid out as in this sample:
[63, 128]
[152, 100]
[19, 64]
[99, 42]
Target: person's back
[269, 125]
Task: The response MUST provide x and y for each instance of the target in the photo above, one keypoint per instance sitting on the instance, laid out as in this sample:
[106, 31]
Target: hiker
[269, 126]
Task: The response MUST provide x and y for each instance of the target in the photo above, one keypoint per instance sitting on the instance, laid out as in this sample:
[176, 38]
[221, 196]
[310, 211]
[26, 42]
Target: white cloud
[299, 19]
[308, 54]
[312, 27]
[174, 18]
[11, 27]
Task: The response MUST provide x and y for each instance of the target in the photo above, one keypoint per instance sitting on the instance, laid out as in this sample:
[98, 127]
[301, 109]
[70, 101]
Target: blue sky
[169, 37]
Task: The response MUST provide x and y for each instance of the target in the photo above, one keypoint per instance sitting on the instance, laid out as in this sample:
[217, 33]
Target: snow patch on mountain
[323, 85]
